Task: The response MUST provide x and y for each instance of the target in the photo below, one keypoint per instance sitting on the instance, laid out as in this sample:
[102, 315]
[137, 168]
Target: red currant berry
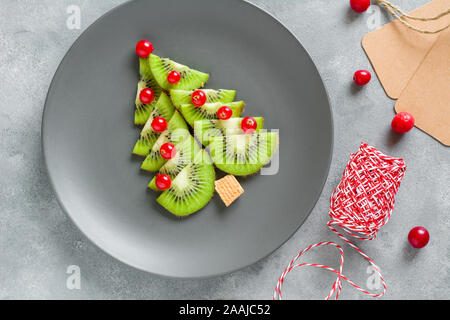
[362, 77]
[159, 124]
[418, 237]
[144, 48]
[198, 98]
[163, 181]
[360, 5]
[168, 151]
[249, 125]
[224, 113]
[173, 77]
[402, 122]
[147, 96]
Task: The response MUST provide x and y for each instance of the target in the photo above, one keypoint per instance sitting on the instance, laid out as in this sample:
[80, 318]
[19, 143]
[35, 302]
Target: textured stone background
[38, 241]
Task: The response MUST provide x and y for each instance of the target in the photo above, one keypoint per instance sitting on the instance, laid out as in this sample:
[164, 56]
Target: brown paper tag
[427, 94]
[396, 51]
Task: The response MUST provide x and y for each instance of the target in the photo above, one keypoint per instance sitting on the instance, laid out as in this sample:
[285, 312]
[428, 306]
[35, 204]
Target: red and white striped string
[360, 205]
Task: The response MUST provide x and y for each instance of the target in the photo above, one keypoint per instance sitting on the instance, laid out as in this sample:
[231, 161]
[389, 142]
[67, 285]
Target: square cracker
[228, 189]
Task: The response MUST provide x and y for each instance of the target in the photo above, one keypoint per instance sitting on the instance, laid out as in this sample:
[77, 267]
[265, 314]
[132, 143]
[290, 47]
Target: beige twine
[400, 15]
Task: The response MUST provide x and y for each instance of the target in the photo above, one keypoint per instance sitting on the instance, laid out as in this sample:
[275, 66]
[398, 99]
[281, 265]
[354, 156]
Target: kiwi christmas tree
[170, 97]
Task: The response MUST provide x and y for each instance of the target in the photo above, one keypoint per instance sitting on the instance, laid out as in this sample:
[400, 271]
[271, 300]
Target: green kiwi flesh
[186, 152]
[245, 154]
[209, 111]
[191, 189]
[205, 130]
[142, 111]
[164, 109]
[190, 78]
[176, 132]
[180, 97]
[145, 71]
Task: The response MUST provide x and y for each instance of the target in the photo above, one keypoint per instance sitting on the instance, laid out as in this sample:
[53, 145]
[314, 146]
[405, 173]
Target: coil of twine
[360, 205]
[397, 13]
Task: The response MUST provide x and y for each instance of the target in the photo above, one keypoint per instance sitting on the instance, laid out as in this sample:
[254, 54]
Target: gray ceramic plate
[88, 135]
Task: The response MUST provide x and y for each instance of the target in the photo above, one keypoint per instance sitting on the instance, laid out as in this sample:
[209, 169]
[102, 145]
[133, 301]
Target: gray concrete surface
[38, 241]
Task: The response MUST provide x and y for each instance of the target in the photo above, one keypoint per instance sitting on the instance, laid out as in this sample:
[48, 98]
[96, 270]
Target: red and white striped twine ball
[360, 205]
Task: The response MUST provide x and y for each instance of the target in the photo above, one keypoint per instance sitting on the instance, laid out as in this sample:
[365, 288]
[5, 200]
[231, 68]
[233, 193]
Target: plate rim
[120, 258]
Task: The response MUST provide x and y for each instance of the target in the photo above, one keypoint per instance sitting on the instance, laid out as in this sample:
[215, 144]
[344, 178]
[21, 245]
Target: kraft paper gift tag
[427, 94]
[396, 51]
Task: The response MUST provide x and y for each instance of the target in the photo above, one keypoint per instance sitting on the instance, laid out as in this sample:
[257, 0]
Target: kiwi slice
[142, 111]
[180, 97]
[144, 69]
[186, 151]
[205, 130]
[244, 154]
[164, 109]
[191, 189]
[190, 78]
[176, 132]
[209, 111]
